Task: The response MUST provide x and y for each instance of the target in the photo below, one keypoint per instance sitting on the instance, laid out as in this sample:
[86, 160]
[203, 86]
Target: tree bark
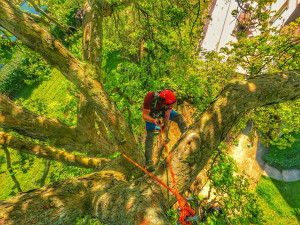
[92, 53]
[51, 153]
[81, 74]
[27, 123]
[60, 203]
[143, 201]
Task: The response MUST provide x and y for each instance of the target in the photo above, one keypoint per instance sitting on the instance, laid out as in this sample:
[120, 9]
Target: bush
[12, 76]
[288, 158]
[22, 70]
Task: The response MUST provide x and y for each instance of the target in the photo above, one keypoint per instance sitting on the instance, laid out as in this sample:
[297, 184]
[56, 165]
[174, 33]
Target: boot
[180, 122]
[149, 166]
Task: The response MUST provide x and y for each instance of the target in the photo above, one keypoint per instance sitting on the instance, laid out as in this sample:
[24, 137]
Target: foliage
[151, 46]
[273, 50]
[274, 123]
[237, 201]
[65, 11]
[12, 77]
[54, 98]
[279, 201]
[88, 221]
[288, 158]
[23, 67]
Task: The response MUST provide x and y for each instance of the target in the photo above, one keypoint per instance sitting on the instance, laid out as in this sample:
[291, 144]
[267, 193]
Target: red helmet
[168, 96]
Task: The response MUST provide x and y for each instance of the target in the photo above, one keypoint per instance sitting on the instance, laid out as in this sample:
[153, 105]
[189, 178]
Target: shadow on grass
[279, 200]
[25, 92]
[274, 192]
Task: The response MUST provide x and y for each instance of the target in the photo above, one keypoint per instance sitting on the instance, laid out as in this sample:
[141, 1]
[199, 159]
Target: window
[284, 7]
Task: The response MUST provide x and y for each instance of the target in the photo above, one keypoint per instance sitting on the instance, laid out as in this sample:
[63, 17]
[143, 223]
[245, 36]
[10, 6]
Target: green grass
[279, 200]
[27, 180]
[288, 158]
[53, 99]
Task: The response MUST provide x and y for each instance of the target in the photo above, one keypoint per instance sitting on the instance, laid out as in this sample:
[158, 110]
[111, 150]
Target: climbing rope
[187, 214]
[186, 210]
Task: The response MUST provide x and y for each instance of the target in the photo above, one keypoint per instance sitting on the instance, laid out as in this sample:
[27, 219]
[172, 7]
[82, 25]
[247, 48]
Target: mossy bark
[46, 152]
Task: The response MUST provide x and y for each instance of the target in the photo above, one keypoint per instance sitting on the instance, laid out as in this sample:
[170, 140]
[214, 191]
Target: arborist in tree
[159, 105]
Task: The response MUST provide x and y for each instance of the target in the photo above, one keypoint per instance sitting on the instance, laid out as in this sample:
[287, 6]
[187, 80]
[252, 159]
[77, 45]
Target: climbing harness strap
[155, 101]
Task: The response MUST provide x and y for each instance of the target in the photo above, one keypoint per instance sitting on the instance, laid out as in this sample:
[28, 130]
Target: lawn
[279, 201]
[53, 98]
[288, 158]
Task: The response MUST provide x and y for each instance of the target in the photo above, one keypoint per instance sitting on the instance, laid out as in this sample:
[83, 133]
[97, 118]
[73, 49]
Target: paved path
[248, 156]
[283, 175]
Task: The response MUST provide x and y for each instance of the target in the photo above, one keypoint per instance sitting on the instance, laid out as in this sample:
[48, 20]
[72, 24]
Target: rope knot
[186, 211]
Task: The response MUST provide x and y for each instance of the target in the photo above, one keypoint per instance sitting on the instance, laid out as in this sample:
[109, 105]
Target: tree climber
[159, 105]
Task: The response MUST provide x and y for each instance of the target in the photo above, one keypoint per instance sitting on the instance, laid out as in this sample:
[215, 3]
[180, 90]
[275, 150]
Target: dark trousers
[177, 118]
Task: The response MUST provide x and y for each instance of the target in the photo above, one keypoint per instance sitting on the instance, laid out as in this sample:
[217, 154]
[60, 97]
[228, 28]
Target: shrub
[288, 158]
[12, 76]
[22, 70]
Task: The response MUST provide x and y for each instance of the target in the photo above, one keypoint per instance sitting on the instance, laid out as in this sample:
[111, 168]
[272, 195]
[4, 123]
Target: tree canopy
[113, 52]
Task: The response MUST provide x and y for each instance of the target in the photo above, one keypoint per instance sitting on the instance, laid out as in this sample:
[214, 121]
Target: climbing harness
[186, 214]
[157, 99]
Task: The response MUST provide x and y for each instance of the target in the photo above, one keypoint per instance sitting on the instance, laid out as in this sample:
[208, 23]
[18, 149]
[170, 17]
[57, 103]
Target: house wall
[283, 9]
[220, 26]
[218, 30]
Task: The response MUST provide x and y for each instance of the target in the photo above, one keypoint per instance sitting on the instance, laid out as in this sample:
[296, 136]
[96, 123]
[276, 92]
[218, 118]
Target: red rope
[150, 174]
[186, 210]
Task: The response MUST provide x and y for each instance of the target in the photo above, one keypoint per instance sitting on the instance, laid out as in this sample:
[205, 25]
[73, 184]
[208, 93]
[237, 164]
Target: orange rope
[150, 174]
[186, 210]
[169, 161]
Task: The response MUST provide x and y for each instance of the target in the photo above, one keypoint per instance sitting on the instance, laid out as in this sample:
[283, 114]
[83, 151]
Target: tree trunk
[92, 53]
[108, 197]
[81, 74]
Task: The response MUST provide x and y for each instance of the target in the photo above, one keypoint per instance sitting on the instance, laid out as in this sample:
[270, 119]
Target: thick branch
[93, 32]
[91, 52]
[191, 153]
[23, 121]
[104, 195]
[82, 75]
[60, 203]
[38, 19]
[51, 153]
[27, 123]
